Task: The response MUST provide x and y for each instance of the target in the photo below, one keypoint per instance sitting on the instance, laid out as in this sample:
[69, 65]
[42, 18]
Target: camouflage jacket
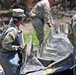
[8, 36]
[42, 10]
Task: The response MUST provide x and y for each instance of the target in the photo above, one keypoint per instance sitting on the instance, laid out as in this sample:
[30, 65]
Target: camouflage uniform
[10, 55]
[9, 36]
[41, 14]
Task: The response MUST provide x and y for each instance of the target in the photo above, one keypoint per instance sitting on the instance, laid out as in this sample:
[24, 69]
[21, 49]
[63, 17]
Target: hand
[21, 48]
[50, 25]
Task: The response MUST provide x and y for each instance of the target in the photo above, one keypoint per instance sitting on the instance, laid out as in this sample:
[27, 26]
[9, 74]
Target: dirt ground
[66, 18]
[27, 27]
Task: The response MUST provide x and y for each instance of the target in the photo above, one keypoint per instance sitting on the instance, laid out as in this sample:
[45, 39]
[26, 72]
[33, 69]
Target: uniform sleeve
[47, 14]
[8, 39]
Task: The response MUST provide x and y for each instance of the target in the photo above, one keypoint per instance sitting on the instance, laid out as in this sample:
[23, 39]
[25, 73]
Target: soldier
[10, 56]
[41, 14]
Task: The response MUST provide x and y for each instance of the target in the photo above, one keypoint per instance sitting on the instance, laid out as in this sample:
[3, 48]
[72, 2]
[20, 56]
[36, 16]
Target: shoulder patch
[12, 35]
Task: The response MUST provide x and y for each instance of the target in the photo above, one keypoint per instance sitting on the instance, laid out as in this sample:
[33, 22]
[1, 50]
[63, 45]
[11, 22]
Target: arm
[47, 15]
[8, 39]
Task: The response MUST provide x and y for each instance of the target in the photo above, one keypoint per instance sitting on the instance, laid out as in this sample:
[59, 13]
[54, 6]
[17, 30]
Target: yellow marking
[47, 71]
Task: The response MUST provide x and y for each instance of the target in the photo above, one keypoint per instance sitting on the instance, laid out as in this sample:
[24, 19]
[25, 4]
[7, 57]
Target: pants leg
[39, 28]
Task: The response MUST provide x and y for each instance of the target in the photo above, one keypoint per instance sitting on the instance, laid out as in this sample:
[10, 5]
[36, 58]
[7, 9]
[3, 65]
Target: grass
[34, 37]
[33, 34]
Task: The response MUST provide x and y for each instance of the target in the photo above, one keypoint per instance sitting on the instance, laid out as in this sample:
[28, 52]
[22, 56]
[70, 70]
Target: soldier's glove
[21, 48]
